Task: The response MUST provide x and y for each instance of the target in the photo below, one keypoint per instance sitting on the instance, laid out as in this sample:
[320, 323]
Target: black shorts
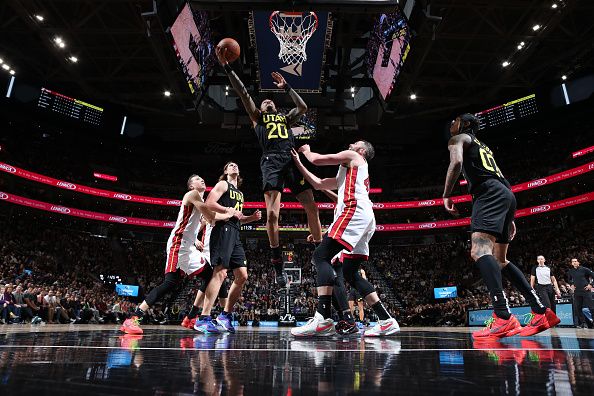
[226, 248]
[354, 295]
[279, 171]
[493, 210]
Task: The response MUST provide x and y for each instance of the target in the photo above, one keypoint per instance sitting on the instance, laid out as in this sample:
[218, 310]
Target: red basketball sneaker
[188, 323]
[538, 323]
[498, 328]
[131, 326]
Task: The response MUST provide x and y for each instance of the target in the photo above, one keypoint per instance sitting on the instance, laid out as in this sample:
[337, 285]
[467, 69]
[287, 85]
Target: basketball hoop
[293, 30]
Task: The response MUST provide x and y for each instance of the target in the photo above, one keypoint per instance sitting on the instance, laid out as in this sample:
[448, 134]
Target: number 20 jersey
[274, 133]
[479, 165]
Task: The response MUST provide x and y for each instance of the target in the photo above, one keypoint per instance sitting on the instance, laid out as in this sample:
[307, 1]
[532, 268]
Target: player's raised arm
[300, 106]
[241, 90]
[344, 157]
[316, 182]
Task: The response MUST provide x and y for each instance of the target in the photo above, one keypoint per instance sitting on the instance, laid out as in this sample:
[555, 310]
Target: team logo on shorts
[67, 185]
[541, 208]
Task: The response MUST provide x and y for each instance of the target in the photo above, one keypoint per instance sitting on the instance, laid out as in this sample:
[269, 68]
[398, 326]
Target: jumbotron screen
[387, 50]
[193, 46]
[507, 112]
[70, 107]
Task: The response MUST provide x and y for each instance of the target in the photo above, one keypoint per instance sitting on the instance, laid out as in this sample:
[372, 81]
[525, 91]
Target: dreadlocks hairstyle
[190, 180]
[473, 123]
[224, 175]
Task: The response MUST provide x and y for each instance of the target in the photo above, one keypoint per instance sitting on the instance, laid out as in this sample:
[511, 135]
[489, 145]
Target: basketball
[233, 49]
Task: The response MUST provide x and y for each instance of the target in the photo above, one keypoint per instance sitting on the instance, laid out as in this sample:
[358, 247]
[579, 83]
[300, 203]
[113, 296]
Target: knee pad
[363, 286]
[203, 286]
[326, 275]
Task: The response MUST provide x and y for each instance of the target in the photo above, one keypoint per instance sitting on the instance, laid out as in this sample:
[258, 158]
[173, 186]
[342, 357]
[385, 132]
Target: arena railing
[36, 177]
[535, 210]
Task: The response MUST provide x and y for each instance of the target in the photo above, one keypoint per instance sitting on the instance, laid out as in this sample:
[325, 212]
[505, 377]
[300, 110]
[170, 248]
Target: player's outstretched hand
[221, 53]
[448, 203]
[295, 156]
[310, 238]
[305, 148]
[199, 245]
[278, 80]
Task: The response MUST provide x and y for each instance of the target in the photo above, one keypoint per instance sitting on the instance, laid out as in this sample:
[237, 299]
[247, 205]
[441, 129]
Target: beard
[269, 109]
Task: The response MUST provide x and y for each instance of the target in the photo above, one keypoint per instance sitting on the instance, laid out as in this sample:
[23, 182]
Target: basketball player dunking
[182, 254]
[492, 228]
[351, 229]
[278, 170]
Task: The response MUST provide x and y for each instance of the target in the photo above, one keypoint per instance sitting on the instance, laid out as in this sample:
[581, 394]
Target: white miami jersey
[353, 187]
[206, 240]
[183, 236]
[354, 221]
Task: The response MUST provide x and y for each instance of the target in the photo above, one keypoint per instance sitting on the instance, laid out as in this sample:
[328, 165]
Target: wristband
[287, 87]
[227, 68]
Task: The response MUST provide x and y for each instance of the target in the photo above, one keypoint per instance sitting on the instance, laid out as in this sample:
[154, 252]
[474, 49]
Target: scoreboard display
[70, 107]
[507, 112]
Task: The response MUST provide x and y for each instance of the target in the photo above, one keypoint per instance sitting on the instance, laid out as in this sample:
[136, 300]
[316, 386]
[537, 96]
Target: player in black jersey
[226, 249]
[276, 139]
[492, 228]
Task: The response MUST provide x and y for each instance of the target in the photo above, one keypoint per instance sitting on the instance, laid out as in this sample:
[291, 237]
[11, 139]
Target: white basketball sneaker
[383, 328]
[316, 326]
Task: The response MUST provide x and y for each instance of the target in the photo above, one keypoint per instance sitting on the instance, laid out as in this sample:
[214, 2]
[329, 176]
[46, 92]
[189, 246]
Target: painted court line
[295, 350]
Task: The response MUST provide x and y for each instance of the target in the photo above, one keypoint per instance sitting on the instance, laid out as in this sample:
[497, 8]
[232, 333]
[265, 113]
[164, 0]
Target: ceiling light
[5, 67]
[554, 5]
[58, 39]
[505, 64]
[519, 47]
[1, 61]
[522, 43]
[352, 89]
[413, 96]
[226, 87]
[167, 93]
[73, 59]
[61, 44]
[535, 27]
[39, 17]
[12, 72]
[564, 77]
[352, 95]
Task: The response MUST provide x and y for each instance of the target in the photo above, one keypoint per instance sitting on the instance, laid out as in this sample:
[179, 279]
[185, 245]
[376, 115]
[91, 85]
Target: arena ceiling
[125, 57]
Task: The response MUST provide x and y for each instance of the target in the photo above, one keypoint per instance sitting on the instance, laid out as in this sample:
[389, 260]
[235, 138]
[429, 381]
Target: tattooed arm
[456, 147]
[238, 86]
[300, 108]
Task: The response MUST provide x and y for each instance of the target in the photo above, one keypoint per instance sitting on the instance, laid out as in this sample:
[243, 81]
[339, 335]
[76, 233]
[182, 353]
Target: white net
[293, 30]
